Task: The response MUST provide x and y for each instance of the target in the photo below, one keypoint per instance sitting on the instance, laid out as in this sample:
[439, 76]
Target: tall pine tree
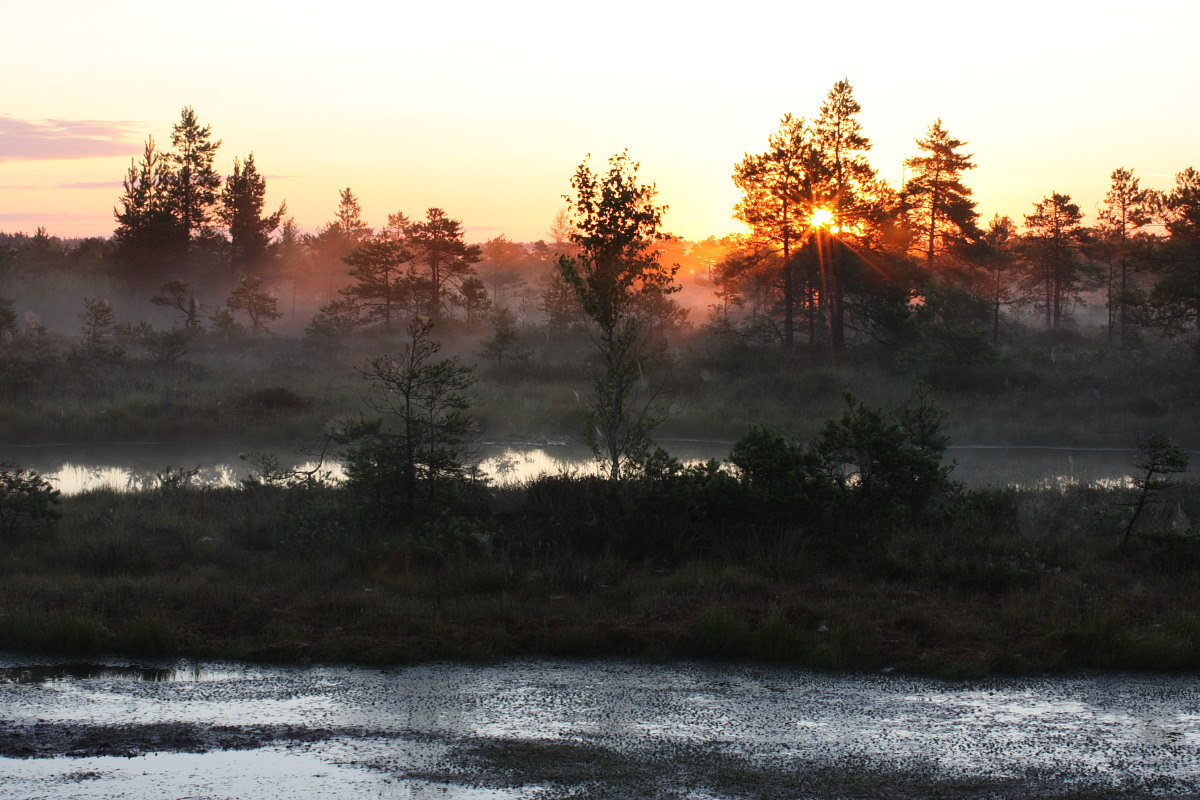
[777, 207]
[194, 182]
[846, 188]
[445, 259]
[241, 211]
[937, 203]
[1054, 268]
[1126, 209]
[148, 237]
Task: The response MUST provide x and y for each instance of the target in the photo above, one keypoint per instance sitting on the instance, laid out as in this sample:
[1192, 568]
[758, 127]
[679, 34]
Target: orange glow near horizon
[495, 137]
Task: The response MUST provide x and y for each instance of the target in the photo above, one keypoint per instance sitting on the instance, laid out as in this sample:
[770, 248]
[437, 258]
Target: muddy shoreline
[55, 739]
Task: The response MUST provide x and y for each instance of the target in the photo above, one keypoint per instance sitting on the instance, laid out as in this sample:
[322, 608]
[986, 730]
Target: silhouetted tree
[1053, 264]
[502, 345]
[148, 237]
[445, 259]
[177, 294]
[192, 186]
[557, 300]
[8, 322]
[261, 307]
[999, 260]
[27, 500]
[98, 321]
[381, 266]
[616, 228]
[472, 298]
[41, 252]
[224, 324]
[337, 239]
[938, 204]
[777, 206]
[1175, 299]
[1158, 459]
[500, 265]
[241, 211]
[847, 189]
[1126, 209]
[421, 444]
[561, 229]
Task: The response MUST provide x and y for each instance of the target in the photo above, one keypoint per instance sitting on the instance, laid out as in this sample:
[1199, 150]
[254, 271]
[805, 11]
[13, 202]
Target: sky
[485, 109]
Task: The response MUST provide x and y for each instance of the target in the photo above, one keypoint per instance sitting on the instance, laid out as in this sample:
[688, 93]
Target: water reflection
[1087, 729]
[63, 673]
[127, 466]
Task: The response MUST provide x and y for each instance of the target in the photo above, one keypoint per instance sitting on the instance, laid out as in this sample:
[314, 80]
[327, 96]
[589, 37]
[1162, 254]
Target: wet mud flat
[587, 729]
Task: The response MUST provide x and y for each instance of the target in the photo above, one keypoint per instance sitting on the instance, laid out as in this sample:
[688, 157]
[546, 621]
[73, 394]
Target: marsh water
[130, 465]
[554, 728]
[578, 729]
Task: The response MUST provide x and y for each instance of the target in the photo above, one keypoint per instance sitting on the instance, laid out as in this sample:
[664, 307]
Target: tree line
[834, 252]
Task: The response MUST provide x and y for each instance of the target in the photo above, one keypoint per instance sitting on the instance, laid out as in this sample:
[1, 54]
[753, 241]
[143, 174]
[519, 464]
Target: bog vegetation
[839, 345]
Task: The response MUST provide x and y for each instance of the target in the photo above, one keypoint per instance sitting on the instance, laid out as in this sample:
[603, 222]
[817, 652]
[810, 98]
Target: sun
[821, 218]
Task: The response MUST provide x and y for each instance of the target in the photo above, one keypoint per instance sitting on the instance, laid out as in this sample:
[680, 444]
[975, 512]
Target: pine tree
[178, 294]
[999, 258]
[241, 211]
[338, 238]
[444, 257]
[1175, 299]
[382, 268]
[472, 297]
[1054, 268]
[259, 306]
[937, 201]
[845, 186]
[502, 345]
[1126, 209]
[194, 182]
[148, 238]
[777, 207]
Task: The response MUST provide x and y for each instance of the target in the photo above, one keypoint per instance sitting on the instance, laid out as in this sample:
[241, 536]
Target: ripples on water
[391, 725]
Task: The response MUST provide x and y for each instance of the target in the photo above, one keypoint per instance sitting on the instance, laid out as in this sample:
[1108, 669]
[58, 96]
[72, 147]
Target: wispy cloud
[38, 140]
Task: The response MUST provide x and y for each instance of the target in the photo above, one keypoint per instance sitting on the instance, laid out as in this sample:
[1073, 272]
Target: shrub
[867, 464]
[891, 464]
[421, 445]
[27, 500]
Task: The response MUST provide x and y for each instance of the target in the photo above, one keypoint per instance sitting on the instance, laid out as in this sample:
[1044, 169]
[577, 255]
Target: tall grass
[1080, 391]
[1005, 581]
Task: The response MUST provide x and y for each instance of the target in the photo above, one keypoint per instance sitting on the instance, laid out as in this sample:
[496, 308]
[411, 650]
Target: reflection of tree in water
[508, 464]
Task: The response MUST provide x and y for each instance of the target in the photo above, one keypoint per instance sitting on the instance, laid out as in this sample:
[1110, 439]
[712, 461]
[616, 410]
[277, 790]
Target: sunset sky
[485, 109]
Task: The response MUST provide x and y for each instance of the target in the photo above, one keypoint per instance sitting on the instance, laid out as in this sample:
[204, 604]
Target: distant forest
[833, 258]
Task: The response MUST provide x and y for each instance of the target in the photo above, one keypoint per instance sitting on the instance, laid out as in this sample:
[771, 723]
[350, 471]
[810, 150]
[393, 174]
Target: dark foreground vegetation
[696, 562]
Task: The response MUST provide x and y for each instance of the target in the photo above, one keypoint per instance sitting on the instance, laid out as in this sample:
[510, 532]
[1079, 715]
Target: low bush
[27, 501]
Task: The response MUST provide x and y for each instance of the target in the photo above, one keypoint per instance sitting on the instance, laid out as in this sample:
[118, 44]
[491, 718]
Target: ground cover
[1009, 581]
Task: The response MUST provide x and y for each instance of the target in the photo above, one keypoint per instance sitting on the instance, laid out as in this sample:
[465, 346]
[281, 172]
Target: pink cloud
[30, 140]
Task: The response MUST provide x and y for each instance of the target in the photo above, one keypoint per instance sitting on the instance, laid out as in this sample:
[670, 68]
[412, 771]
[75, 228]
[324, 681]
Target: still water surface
[125, 465]
[393, 733]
